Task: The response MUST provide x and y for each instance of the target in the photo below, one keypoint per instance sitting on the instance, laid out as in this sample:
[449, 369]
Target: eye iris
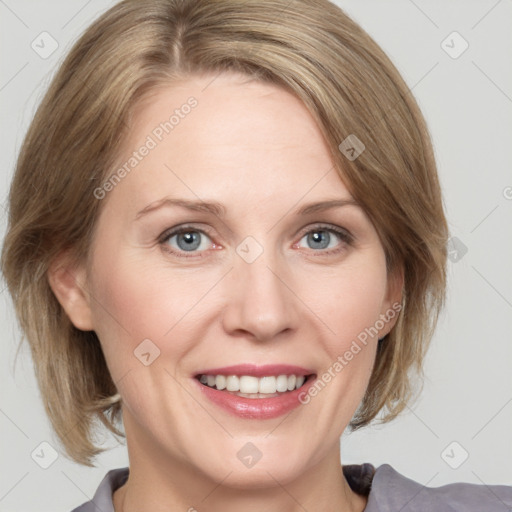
[191, 238]
[321, 237]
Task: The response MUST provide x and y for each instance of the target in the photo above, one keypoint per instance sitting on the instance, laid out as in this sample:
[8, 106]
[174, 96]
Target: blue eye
[321, 238]
[187, 239]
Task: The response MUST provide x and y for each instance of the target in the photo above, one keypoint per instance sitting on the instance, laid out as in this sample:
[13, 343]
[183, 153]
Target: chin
[258, 477]
[247, 467]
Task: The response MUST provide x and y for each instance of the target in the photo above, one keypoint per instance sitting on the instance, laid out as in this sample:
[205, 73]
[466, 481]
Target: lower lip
[257, 408]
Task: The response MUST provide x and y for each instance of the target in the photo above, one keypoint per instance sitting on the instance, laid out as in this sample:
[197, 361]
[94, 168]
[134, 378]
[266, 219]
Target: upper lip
[257, 371]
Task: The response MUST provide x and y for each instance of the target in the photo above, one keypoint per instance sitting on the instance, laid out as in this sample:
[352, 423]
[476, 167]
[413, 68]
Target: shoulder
[391, 491]
[102, 499]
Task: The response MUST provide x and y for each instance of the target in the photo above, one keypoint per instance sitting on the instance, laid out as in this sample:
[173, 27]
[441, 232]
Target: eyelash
[167, 235]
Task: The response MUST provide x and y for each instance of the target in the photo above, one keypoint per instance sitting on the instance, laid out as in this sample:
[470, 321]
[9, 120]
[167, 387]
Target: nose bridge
[261, 302]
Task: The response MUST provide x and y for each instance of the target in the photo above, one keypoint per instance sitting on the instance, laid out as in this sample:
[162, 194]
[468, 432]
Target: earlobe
[68, 282]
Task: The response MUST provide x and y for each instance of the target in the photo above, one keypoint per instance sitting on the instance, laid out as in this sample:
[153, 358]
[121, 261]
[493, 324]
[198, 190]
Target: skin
[254, 148]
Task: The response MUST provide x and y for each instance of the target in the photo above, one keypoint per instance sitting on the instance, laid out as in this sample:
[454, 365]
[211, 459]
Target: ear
[391, 306]
[68, 281]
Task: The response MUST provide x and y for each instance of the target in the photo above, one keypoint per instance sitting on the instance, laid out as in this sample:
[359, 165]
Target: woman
[230, 235]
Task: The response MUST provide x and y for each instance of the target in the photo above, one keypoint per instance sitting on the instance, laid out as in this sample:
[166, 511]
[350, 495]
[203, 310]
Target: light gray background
[467, 397]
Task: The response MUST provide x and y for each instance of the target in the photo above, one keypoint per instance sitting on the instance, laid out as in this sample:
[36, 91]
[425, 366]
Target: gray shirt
[386, 489]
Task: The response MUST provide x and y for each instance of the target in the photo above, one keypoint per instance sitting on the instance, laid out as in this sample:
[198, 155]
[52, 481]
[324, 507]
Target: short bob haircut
[313, 50]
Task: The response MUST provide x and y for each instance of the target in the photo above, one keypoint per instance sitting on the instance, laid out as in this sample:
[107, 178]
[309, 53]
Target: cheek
[136, 301]
[350, 301]
[350, 306]
[126, 310]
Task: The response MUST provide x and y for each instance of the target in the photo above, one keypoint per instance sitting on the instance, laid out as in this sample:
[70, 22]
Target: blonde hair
[311, 48]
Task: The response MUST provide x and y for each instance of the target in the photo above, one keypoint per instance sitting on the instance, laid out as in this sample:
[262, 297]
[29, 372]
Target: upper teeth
[251, 384]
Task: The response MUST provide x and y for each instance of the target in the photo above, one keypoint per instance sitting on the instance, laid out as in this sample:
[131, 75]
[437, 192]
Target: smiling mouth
[249, 386]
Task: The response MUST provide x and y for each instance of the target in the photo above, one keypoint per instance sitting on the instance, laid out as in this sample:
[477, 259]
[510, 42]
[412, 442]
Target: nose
[261, 303]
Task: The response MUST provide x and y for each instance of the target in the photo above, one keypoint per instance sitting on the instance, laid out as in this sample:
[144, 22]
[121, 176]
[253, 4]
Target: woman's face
[260, 284]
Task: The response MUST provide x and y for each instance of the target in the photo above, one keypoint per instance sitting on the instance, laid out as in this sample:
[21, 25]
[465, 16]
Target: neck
[160, 482]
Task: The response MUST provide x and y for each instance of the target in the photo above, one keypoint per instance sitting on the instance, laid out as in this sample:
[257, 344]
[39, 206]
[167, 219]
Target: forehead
[222, 136]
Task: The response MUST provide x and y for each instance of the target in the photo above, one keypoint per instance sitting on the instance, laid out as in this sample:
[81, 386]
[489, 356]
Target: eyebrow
[219, 210]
